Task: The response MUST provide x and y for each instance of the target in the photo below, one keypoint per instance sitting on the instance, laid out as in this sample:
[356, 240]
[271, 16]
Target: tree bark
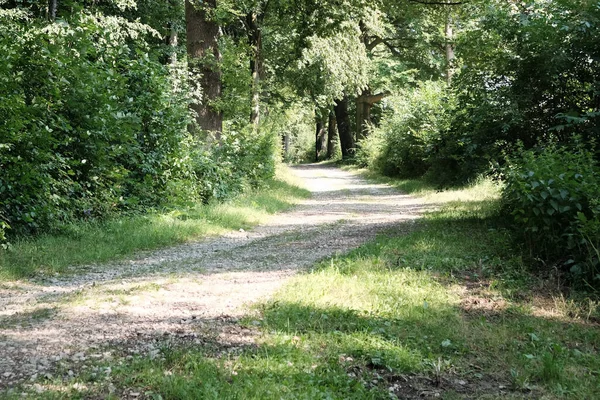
[320, 137]
[285, 141]
[364, 103]
[331, 134]
[449, 36]
[253, 21]
[203, 53]
[343, 123]
[52, 8]
[172, 41]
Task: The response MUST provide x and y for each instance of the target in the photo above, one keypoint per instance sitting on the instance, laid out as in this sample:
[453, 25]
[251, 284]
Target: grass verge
[448, 311]
[89, 243]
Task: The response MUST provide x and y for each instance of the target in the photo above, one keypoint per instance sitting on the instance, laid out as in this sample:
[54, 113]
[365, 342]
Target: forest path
[193, 292]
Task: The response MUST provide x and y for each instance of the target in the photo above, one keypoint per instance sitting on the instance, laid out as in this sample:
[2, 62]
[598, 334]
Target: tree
[203, 35]
[331, 134]
[320, 135]
[344, 130]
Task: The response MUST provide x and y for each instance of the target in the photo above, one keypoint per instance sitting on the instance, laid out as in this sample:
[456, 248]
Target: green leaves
[551, 194]
[92, 122]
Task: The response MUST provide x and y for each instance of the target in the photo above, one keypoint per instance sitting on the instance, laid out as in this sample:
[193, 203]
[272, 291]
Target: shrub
[406, 140]
[552, 195]
[244, 159]
[93, 125]
[3, 227]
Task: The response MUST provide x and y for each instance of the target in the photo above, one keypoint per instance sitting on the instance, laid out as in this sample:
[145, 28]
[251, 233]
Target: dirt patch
[447, 384]
[194, 292]
[413, 386]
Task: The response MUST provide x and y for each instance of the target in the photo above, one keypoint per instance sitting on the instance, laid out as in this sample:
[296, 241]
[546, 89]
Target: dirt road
[195, 291]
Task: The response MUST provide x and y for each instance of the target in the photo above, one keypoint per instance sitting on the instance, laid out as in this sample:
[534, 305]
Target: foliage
[405, 141]
[243, 160]
[3, 227]
[525, 70]
[552, 195]
[96, 121]
[92, 124]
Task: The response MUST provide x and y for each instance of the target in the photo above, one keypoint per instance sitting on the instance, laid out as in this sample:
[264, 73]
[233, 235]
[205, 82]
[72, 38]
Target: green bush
[552, 195]
[3, 227]
[519, 71]
[242, 160]
[406, 140]
[92, 125]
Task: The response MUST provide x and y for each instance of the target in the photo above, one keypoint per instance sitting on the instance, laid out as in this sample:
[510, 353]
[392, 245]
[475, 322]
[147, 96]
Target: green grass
[90, 243]
[448, 311]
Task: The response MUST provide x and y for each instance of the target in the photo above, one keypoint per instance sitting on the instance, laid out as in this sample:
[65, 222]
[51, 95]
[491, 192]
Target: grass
[90, 243]
[448, 311]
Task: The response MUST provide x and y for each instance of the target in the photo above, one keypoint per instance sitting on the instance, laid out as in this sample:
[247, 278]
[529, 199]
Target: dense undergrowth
[95, 121]
[522, 106]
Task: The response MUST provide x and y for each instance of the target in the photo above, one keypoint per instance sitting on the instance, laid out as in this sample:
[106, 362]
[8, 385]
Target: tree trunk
[203, 53]
[320, 137]
[449, 34]
[285, 139]
[253, 22]
[364, 103]
[52, 8]
[331, 134]
[343, 123]
[172, 41]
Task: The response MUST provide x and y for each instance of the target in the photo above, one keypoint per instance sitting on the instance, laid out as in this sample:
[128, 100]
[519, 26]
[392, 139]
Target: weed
[552, 366]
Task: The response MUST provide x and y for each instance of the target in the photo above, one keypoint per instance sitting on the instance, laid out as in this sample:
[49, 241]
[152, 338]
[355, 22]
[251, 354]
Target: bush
[244, 159]
[406, 140]
[92, 125]
[552, 195]
[3, 227]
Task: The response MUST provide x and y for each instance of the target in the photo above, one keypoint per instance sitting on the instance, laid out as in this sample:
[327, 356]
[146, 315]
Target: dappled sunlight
[180, 291]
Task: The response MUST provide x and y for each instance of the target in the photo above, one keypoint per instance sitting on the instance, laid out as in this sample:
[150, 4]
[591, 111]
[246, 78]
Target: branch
[372, 98]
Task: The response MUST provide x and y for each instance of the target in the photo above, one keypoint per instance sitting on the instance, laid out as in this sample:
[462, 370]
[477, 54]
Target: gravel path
[194, 292]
